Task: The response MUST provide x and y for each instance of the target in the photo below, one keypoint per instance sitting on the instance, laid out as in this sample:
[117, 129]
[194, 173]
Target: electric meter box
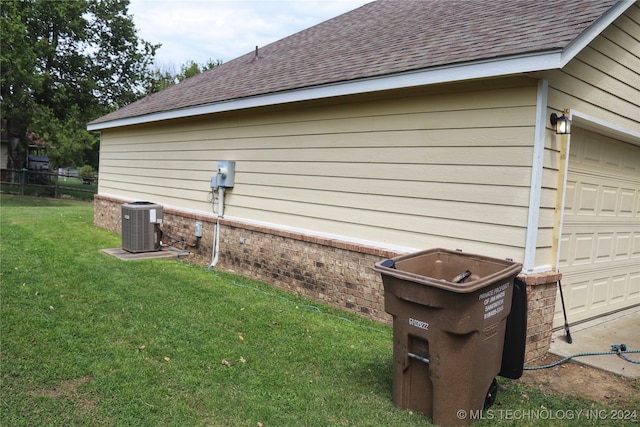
[225, 175]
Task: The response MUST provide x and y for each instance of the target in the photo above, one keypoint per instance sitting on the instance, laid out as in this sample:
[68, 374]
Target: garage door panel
[583, 252]
[600, 295]
[584, 248]
[600, 200]
[565, 252]
[587, 198]
[570, 197]
[592, 293]
[634, 286]
[618, 288]
[589, 155]
[578, 295]
[599, 253]
[609, 203]
[629, 198]
[603, 154]
[629, 165]
[623, 247]
[604, 247]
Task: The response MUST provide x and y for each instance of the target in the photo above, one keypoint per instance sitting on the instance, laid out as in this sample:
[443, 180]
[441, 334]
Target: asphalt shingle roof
[381, 38]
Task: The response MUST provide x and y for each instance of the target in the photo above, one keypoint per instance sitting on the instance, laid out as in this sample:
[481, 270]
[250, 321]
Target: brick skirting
[541, 302]
[336, 272]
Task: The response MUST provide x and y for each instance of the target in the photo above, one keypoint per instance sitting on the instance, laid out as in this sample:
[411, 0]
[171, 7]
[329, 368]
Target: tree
[63, 64]
[163, 76]
[18, 82]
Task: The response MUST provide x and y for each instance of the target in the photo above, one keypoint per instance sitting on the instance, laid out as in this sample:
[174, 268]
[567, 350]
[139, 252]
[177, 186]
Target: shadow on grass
[376, 375]
[13, 200]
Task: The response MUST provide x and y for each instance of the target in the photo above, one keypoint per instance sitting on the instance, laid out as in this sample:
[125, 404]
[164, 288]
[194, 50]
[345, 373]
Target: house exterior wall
[446, 166]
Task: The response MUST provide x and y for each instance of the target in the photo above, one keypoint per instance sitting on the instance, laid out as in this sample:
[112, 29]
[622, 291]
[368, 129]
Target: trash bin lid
[439, 267]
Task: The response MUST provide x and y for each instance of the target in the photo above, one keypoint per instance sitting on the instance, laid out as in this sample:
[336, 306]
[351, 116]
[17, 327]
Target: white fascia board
[451, 73]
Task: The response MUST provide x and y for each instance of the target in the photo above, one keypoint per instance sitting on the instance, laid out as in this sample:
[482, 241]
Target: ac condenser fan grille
[140, 230]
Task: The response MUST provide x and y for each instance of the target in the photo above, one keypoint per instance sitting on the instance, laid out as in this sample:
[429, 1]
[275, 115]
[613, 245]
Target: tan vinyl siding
[602, 81]
[433, 168]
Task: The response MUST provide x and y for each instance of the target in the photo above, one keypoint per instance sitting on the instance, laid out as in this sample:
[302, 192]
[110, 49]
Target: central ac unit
[140, 226]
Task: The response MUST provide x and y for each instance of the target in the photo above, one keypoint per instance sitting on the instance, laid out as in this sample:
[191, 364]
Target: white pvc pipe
[216, 232]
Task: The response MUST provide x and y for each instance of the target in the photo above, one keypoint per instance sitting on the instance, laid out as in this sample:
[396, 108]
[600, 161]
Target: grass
[87, 339]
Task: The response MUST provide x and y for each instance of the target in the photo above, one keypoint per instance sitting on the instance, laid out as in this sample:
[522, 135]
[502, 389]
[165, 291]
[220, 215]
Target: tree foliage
[63, 64]
[164, 76]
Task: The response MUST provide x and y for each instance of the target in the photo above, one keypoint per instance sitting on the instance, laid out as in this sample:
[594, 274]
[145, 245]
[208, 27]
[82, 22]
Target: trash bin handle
[420, 358]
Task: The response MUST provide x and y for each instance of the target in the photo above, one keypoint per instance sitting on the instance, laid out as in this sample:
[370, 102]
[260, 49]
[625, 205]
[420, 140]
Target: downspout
[537, 164]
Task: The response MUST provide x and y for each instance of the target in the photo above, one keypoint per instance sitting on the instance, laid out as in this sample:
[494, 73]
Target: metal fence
[45, 183]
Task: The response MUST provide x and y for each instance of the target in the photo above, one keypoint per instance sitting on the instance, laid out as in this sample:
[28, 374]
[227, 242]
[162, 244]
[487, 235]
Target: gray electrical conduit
[216, 232]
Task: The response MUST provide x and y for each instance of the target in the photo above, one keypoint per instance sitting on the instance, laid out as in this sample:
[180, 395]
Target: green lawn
[87, 339]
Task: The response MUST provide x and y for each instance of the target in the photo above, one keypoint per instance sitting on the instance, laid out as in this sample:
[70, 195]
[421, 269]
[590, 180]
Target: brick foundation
[541, 301]
[335, 272]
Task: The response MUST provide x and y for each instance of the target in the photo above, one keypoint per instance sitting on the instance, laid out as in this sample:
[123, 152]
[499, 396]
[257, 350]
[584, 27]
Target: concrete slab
[165, 252]
[598, 336]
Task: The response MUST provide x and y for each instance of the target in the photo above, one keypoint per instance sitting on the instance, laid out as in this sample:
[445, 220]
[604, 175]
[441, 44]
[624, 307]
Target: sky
[200, 30]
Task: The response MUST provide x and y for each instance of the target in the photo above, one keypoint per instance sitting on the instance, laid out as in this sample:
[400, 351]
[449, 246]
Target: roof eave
[536, 61]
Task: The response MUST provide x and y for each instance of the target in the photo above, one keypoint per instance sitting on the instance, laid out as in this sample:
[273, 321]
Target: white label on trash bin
[494, 300]
[419, 324]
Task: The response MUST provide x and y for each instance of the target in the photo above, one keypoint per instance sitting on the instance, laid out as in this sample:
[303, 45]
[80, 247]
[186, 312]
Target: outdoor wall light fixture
[562, 124]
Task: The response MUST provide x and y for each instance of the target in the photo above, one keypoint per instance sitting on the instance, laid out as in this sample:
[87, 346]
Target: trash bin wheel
[491, 394]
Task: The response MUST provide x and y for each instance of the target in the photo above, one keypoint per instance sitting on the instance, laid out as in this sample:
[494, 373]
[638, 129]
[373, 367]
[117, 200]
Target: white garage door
[600, 245]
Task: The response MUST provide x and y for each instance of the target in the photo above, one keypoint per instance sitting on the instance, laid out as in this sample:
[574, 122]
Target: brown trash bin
[448, 337]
